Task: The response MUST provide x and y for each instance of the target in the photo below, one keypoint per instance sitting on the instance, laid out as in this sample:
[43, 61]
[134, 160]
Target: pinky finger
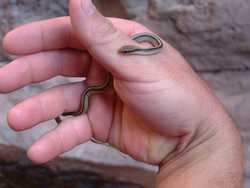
[70, 133]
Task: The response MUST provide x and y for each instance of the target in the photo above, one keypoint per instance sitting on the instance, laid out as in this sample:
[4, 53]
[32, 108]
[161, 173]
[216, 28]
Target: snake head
[127, 49]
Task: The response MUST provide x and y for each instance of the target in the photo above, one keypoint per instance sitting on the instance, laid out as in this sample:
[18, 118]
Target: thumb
[100, 37]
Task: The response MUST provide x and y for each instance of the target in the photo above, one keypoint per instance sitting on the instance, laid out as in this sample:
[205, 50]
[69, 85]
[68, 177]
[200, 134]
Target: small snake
[150, 38]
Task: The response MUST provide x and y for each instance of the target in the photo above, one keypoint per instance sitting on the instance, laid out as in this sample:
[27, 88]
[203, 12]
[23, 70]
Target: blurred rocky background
[214, 36]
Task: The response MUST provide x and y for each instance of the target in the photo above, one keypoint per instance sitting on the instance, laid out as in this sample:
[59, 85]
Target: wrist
[212, 153]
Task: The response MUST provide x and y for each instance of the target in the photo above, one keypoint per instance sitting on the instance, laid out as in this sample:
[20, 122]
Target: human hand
[159, 110]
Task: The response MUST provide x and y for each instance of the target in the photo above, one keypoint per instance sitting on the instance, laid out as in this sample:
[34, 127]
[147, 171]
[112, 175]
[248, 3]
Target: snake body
[150, 38]
[156, 46]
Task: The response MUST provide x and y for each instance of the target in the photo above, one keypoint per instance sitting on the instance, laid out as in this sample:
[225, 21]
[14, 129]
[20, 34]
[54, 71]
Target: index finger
[53, 34]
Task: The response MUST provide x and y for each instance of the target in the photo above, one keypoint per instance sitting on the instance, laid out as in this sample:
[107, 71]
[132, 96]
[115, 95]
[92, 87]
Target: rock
[113, 7]
[18, 172]
[209, 33]
[14, 13]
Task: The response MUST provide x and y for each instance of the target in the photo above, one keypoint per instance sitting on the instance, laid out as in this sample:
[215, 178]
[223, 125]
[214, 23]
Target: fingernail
[88, 7]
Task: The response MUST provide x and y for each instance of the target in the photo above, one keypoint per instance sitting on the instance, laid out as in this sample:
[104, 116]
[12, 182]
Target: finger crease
[112, 121]
[60, 66]
[31, 72]
[68, 36]
[77, 134]
[42, 109]
[92, 129]
[64, 99]
[61, 142]
[106, 41]
[42, 37]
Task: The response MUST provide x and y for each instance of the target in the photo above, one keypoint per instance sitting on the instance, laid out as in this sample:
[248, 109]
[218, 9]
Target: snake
[155, 48]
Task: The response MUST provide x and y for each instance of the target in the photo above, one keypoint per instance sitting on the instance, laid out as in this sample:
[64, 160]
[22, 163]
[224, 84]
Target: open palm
[142, 114]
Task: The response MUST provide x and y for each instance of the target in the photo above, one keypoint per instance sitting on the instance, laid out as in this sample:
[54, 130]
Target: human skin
[159, 111]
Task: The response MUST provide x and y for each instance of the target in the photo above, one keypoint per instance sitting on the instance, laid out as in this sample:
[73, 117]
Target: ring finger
[45, 106]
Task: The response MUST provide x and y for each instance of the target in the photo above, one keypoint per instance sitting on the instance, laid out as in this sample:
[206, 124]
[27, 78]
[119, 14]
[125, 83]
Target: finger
[101, 105]
[54, 34]
[40, 36]
[42, 66]
[103, 39]
[45, 106]
[69, 134]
